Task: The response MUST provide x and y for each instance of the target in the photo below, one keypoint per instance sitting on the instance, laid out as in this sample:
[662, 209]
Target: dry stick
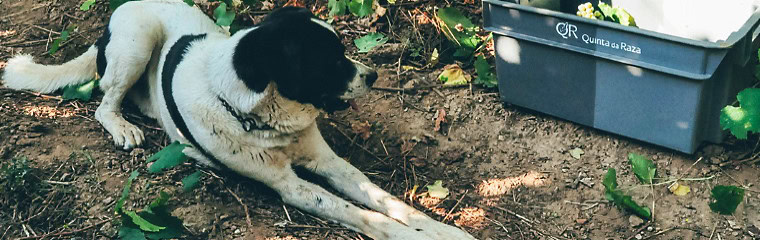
[639, 230]
[455, 206]
[362, 147]
[44, 29]
[25, 11]
[286, 213]
[60, 234]
[245, 208]
[715, 226]
[737, 182]
[660, 233]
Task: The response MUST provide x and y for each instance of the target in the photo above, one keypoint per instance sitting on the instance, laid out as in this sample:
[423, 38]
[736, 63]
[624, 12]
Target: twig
[715, 227]
[362, 147]
[286, 213]
[639, 230]
[737, 182]
[515, 214]
[44, 29]
[60, 234]
[455, 206]
[40, 95]
[245, 208]
[411, 89]
[313, 227]
[660, 233]
[25, 11]
[59, 183]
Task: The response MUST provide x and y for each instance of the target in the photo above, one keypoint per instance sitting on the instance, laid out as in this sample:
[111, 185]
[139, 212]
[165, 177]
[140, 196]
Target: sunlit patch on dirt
[428, 201]
[472, 217]
[47, 112]
[282, 238]
[500, 186]
[6, 33]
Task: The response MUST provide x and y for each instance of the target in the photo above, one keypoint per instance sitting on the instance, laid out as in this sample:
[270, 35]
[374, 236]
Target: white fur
[23, 73]
[142, 33]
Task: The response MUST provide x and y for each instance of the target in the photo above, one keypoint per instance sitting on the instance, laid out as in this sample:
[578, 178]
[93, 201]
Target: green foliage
[486, 77]
[113, 4]
[616, 14]
[746, 117]
[624, 201]
[643, 168]
[360, 8]
[64, 36]
[190, 182]
[125, 192]
[82, 91]
[460, 30]
[370, 41]
[168, 157]
[189, 2]
[153, 222]
[86, 5]
[14, 176]
[437, 190]
[726, 199]
[337, 7]
[223, 16]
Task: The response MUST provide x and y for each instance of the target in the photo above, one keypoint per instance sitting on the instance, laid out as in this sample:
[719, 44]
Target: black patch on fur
[101, 44]
[173, 58]
[304, 59]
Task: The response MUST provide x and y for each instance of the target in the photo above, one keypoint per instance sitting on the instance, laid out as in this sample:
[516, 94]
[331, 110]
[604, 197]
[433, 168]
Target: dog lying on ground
[245, 103]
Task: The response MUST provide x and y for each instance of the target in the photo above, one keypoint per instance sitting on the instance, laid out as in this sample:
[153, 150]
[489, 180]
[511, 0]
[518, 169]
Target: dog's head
[305, 59]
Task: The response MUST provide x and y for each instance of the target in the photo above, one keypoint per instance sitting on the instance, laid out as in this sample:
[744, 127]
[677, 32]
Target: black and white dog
[246, 102]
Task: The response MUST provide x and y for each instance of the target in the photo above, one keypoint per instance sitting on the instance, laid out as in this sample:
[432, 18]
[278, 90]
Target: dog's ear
[270, 52]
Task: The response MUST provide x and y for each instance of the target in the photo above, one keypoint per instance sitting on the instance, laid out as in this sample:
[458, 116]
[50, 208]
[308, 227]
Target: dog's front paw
[125, 134]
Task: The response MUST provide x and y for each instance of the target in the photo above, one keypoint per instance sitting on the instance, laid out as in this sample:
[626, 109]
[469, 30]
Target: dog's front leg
[314, 153]
[275, 172]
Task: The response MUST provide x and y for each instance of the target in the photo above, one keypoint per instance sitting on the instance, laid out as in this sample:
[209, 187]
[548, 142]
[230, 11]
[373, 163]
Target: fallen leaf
[294, 3]
[576, 153]
[643, 168]
[453, 75]
[726, 199]
[437, 190]
[362, 129]
[441, 118]
[433, 57]
[370, 41]
[679, 189]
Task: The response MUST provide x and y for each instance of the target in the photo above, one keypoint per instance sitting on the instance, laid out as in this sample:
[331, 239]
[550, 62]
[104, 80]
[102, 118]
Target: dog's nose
[370, 78]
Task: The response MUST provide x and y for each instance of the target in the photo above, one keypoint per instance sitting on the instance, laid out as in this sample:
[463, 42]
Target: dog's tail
[21, 72]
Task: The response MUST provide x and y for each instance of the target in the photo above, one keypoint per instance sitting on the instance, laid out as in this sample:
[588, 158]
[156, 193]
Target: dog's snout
[370, 77]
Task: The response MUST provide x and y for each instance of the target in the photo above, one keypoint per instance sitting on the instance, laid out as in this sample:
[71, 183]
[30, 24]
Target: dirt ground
[508, 169]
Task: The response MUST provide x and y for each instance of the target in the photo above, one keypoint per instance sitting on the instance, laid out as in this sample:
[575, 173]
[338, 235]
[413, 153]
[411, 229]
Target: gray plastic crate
[650, 86]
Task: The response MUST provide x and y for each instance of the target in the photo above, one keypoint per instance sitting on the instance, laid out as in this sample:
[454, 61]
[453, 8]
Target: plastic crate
[655, 87]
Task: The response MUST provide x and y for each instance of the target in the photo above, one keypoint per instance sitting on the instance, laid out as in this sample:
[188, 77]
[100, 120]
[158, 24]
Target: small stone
[581, 221]
[638, 236]
[635, 221]
[107, 200]
[734, 225]
[650, 228]
[587, 181]
[501, 138]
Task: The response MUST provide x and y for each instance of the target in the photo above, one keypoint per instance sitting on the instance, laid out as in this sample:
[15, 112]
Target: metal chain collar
[248, 124]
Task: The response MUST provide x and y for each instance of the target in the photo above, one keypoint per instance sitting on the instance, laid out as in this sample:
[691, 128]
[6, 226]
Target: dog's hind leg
[317, 156]
[127, 55]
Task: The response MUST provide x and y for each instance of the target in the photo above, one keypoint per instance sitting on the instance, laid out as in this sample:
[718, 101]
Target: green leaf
[189, 2]
[130, 231]
[616, 14]
[170, 156]
[487, 79]
[223, 17]
[64, 36]
[337, 7]
[125, 192]
[360, 8]
[173, 228]
[86, 5]
[458, 28]
[743, 119]
[370, 41]
[624, 201]
[82, 92]
[116, 3]
[191, 181]
[643, 168]
[159, 203]
[144, 225]
[726, 199]
[437, 190]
